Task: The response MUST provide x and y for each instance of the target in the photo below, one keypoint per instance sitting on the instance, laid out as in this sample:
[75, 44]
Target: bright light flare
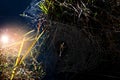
[4, 39]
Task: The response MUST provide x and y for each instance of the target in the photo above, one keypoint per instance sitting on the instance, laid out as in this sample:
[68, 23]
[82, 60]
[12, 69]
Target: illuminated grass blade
[29, 32]
[17, 60]
[29, 49]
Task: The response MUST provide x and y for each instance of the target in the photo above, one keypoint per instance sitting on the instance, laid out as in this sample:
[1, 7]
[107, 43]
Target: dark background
[13, 7]
[10, 10]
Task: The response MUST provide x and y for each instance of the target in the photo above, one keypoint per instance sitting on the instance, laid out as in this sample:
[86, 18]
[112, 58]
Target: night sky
[10, 10]
[13, 7]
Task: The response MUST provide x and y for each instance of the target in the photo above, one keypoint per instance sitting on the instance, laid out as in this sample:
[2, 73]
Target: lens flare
[4, 39]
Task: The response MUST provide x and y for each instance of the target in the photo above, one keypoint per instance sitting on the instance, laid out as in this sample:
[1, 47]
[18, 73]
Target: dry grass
[24, 65]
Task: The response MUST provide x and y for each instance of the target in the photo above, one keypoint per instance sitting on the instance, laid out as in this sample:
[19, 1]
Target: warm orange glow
[4, 39]
[11, 37]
